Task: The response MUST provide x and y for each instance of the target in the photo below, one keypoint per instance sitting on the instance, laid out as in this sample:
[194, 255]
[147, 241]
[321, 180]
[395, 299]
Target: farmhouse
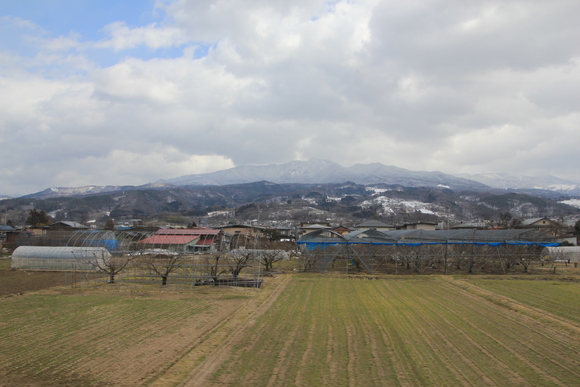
[7, 234]
[243, 229]
[199, 239]
[240, 235]
[538, 223]
[306, 228]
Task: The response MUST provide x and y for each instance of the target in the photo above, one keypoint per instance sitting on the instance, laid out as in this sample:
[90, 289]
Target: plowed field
[305, 330]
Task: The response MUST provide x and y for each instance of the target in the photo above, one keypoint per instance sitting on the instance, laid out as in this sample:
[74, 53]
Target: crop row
[88, 336]
[427, 331]
[557, 297]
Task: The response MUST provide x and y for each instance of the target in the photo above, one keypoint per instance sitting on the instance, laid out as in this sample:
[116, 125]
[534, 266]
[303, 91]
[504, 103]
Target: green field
[413, 331]
[559, 298]
[70, 338]
[304, 330]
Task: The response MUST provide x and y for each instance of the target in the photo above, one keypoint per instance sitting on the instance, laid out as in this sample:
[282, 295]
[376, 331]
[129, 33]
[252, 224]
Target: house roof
[168, 236]
[187, 231]
[372, 224]
[368, 233]
[242, 226]
[316, 226]
[435, 236]
[68, 224]
[169, 239]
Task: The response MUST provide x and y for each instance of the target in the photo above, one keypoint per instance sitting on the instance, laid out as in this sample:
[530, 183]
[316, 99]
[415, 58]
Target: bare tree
[506, 257]
[419, 257]
[272, 252]
[471, 257]
[164, 264]
[238, 260]
[527, 256]
[214, 264]
[111, 264]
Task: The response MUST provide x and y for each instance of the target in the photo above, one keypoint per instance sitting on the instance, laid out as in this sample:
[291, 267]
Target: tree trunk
[164, 280]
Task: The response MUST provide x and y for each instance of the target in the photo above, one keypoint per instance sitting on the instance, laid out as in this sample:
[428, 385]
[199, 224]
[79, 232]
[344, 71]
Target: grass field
[302, 329]
[66, 338]
[412, 331]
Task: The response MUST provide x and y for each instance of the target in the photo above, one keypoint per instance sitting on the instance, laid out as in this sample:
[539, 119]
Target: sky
[107, 92]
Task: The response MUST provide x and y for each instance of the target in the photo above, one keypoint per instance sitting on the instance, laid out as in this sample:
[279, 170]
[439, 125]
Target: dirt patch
[20, 282]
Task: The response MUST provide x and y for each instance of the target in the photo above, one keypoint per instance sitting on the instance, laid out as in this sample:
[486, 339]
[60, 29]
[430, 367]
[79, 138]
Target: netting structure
[467, 251]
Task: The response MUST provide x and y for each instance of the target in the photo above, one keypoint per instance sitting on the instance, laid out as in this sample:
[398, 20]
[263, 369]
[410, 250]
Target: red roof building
[199, 239]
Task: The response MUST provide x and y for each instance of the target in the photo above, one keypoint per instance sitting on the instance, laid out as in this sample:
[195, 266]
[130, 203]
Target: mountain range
[510, 181]
[315, 190]
[326, 172]
[317, 171]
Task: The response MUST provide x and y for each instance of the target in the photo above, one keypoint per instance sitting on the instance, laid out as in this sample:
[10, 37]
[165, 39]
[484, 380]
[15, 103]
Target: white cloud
[118, 167]
[122, 37]
[446, 85]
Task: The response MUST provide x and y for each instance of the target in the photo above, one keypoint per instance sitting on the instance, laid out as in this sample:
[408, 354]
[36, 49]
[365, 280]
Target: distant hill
[266, 201]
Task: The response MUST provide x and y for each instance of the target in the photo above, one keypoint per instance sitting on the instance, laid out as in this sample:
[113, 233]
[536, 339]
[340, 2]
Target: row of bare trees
[209, 268]
[469, 258]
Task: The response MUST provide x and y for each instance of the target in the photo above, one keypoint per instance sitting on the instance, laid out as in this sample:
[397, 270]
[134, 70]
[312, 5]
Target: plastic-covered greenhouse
[562, 253]
[58, 258]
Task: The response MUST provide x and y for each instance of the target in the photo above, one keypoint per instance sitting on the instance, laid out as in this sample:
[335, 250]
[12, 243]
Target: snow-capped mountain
[326, 172]
[323, 172]
[509, 181]
[73, 191]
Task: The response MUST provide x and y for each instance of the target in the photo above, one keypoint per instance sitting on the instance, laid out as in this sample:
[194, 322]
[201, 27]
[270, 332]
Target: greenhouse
[58, 258]
[566, 254]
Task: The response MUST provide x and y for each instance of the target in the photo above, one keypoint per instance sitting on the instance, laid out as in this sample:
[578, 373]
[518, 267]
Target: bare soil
[19, 282]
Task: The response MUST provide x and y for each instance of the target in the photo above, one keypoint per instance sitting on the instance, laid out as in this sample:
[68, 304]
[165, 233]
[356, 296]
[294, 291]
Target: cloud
[117, 166]
[425, 85]
[122, 37]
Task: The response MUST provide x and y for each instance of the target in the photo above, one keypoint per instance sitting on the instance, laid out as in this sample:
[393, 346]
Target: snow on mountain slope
[506, 181]
[324, 171]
